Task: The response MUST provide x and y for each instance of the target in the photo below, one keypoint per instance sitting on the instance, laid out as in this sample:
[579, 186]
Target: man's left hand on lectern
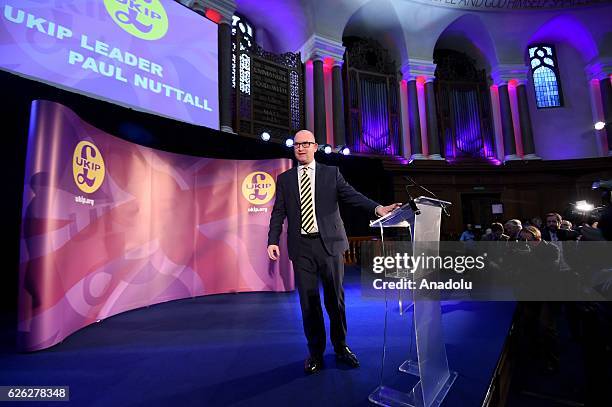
[383, 210]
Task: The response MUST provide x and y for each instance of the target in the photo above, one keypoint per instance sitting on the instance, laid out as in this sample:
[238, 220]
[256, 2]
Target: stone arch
[468, 34]
[567, 29]
[279, 26]
[379, 19]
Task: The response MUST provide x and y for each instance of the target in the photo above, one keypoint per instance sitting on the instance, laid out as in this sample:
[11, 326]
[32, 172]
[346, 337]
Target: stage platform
[247, 350]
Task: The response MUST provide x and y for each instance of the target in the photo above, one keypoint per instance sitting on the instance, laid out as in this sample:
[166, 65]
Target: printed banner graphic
[152, 55]
[110, 226]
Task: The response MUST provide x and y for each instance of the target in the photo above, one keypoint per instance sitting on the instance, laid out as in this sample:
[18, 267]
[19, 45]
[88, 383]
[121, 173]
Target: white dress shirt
[312, 173]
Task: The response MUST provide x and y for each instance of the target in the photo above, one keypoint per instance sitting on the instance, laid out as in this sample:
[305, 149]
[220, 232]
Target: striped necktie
[306, 202]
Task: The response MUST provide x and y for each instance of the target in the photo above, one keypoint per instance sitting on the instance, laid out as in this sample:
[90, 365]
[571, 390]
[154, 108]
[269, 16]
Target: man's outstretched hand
[273, 252]
[383, 210]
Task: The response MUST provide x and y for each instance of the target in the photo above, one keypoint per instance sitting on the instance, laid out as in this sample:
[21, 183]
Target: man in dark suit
[553, 232]
[308, 197]
[497, 234]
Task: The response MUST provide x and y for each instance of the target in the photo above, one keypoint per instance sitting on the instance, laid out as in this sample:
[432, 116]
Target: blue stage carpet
[248, 350]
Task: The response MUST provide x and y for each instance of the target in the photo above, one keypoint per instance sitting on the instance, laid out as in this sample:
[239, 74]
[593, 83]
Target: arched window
[545, 72]
[242, 32]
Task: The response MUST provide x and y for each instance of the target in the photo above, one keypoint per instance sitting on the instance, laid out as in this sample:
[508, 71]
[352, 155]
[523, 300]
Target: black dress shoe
[347, 357]
[313, 364]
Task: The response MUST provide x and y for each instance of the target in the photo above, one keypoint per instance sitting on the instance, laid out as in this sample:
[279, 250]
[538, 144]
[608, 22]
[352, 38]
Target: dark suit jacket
[562, 234]
[330, 188]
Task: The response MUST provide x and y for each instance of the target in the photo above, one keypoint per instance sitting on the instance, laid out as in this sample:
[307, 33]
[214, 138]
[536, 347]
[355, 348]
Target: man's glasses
[305, 144]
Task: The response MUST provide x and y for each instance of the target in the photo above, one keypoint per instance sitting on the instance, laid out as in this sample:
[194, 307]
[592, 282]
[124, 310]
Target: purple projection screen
[155, 56]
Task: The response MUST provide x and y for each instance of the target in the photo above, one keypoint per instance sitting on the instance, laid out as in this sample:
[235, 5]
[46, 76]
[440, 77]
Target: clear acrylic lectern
[430, 364]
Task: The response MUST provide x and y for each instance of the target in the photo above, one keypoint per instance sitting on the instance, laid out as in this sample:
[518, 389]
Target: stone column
[605, 88]
[506, 122]
[433, 139]
[226, 9]
[225, 76]
[320, 126]
[525, 119]
[502, 75]
[414, 121]
[418, 69]
[318, 49]
[338, 104]
[599, 74]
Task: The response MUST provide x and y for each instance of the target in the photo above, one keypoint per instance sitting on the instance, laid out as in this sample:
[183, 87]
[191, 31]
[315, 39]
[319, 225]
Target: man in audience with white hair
[513, 229]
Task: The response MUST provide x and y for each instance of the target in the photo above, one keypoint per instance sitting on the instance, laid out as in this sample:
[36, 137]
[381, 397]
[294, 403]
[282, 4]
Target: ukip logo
[88, 167]
[258, 187]
[145, 19]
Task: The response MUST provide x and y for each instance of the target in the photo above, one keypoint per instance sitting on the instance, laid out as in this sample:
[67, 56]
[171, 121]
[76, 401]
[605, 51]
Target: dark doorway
[477, 209]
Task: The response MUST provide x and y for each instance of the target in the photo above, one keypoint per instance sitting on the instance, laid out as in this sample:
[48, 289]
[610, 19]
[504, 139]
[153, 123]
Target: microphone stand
[412, 204]
[415, 184]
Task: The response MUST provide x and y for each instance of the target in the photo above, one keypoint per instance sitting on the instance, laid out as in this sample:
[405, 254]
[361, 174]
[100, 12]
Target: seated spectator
[468, 234]
[497, 233]
[487, 235]
[513, 228]
[537, 222]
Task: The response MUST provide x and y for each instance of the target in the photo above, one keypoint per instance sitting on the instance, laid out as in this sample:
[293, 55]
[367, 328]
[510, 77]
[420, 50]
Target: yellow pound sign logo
[258, 188]
[88, 167]
[145, 19]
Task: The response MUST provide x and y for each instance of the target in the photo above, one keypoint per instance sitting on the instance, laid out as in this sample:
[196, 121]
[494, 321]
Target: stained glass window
[545, 72]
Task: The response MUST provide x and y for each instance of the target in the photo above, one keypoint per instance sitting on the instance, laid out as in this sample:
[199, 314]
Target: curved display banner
[151, 55]
[109, 226]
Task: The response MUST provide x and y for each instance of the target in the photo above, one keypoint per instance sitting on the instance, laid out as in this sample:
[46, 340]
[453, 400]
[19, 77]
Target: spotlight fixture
[343, 149]
[326, 148]
[289, 142]
[600, 125]
[584, 206]
[605, 185]
[265, 136]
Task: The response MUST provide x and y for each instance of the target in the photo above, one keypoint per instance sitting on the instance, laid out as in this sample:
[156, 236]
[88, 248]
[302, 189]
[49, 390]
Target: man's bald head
[304, 135]
[305, 146]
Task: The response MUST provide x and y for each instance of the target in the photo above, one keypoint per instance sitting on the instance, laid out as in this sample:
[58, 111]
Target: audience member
[468, 234]
[497, 233]
[513, 228]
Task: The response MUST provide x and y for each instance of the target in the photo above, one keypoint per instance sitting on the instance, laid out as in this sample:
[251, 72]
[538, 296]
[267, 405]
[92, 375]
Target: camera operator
[592, 321]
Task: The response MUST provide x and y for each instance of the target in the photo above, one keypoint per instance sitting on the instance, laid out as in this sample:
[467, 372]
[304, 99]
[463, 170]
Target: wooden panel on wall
[526, 188]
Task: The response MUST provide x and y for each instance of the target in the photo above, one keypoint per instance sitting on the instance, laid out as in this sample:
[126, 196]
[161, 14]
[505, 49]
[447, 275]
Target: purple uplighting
[377, 134]
[470, 139]
[285, 17]
[568, 29]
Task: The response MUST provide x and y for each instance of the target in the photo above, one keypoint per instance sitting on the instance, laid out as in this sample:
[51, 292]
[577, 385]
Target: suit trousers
[314, 263]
